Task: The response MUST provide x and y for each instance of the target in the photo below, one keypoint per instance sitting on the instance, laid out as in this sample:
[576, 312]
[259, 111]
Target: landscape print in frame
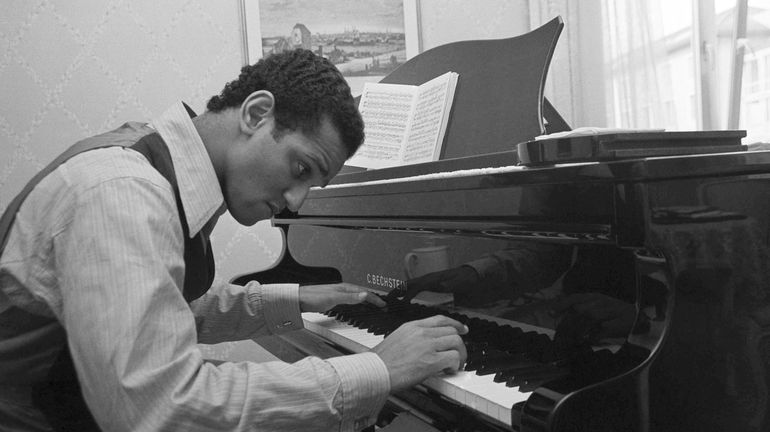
[365, 39]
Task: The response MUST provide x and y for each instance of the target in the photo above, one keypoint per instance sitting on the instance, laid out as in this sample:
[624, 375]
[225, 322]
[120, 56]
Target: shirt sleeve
[133, 337]
[230, 312]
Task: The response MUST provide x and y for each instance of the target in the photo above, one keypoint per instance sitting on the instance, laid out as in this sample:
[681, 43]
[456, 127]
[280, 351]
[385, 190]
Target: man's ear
[257, 107]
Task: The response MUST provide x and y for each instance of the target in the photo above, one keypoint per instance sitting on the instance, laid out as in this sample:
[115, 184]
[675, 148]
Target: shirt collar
[198, 184]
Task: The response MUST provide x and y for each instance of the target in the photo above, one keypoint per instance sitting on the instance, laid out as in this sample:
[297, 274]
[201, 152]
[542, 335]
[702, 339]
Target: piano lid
[499, 97]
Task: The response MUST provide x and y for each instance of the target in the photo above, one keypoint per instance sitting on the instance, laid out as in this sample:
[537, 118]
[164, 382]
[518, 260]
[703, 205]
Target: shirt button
[284, 324]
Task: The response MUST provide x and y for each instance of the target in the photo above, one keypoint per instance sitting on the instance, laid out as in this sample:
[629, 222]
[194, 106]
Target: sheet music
[404, 123]
[427, 122]
[386, 108]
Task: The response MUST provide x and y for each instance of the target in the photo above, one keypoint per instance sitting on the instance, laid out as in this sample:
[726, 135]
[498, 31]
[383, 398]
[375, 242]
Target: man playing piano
[106, 271]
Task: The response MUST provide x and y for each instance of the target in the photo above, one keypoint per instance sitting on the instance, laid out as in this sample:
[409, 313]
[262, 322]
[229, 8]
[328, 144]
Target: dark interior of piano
[622, 292]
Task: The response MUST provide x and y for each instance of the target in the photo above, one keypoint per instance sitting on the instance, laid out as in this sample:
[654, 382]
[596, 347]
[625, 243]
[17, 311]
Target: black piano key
[478, 358]
[532, 383]
[513, 376]
[375, 323]
[501, 366]
[382, 328]
[523, 343]
[535, 375]
[491, 366]
[507, 337]
[539, 344]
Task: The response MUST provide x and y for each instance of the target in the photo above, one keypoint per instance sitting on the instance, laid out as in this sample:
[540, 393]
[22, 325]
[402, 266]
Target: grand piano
[660, 254]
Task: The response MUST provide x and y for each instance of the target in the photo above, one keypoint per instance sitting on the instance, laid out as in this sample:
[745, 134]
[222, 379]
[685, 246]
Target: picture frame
[254, 45]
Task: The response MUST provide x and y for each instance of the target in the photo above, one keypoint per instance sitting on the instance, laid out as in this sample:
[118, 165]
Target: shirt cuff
[281, 307]
[365, 384]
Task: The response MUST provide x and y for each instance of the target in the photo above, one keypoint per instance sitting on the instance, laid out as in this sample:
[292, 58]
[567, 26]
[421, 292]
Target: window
[652, 57]
[642, 61]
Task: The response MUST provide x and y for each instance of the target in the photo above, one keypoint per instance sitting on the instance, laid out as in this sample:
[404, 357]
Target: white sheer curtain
[612, 67]
[638, 69]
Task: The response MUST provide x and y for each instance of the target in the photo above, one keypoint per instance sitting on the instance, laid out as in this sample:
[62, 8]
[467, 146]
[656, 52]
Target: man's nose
[295, 196]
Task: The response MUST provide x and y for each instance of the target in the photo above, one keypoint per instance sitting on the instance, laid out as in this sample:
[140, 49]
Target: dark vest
[59, 396]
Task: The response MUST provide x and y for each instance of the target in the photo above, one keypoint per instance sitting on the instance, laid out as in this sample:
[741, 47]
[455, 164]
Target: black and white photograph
[385, 216]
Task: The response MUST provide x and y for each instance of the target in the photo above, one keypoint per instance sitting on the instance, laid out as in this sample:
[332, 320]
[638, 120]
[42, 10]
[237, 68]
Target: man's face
[264, 174]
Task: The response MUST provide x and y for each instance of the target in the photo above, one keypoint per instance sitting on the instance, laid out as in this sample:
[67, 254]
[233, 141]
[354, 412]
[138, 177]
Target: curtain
[633, 69]
[612, 66]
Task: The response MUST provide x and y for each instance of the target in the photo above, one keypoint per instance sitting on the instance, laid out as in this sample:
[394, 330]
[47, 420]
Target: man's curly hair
[306, 88]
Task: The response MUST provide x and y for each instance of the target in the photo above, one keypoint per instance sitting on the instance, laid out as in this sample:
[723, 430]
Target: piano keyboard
[483, 387]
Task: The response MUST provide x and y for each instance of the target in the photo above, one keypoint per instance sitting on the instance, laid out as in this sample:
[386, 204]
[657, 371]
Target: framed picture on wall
[365, 39]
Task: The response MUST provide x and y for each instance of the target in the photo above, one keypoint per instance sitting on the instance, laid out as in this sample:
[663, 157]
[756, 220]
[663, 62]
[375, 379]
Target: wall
[447, 21]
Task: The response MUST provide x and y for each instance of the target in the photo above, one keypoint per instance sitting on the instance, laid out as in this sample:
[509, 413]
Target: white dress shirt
[98, 245]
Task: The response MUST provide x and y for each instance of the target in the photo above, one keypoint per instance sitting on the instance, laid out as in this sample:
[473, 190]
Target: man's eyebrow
[322, 165]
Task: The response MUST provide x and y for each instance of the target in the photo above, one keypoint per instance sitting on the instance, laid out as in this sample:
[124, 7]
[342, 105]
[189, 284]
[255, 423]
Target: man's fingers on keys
[449, 342]
[374, 299]
[441, 320]
[452, 344]
[451, 361]
[441, 331]
[361, 295]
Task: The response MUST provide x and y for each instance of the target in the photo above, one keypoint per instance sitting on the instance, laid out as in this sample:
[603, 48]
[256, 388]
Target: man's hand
[454, 280]
[420, 349]
[321, 298]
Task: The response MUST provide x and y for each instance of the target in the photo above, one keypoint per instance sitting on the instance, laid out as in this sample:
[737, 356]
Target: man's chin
[251, 219]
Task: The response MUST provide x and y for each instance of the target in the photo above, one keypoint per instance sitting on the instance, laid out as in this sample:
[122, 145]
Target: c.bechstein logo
[385, 281]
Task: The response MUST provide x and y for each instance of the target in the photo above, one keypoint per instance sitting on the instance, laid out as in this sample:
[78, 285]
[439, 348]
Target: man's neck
[218, 131]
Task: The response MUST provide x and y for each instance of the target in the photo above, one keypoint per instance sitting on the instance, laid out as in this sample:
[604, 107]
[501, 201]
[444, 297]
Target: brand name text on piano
[385, 281]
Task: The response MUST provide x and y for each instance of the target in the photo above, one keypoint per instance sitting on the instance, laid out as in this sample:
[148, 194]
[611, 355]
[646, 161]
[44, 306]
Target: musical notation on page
[404, 124]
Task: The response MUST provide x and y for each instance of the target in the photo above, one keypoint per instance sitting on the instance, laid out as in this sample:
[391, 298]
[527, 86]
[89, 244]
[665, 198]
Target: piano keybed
[505, 363]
